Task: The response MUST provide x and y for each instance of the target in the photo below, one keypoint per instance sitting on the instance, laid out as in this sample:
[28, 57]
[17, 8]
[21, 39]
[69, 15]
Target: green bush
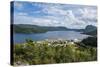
[32, 52]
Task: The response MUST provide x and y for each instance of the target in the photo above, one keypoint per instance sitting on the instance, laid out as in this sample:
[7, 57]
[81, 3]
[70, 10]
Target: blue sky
[50, 14]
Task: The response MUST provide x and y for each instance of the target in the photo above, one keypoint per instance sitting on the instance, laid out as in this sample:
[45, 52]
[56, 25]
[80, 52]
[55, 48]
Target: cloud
[54, 11]
[57, 15]
[18, 5]
[22, 14]
[89, 14]
[42, 21]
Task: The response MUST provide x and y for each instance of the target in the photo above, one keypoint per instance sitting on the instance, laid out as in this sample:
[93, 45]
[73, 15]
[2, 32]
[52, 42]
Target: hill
[26, 28]
[90, 30]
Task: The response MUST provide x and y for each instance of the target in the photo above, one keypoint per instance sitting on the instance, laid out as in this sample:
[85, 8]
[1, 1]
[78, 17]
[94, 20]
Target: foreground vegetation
[47, 52]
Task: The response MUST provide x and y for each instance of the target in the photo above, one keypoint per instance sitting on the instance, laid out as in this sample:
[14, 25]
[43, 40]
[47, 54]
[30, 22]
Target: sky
[51, 14]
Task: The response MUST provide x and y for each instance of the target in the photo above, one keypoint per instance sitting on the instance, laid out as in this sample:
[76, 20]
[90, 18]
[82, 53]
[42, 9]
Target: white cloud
[22, 14]
[18, 5]
[57, 16]
[25, 19]
[89, 13]
[54, 11]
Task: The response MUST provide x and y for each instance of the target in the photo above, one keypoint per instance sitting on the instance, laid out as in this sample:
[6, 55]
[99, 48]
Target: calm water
[69, 35]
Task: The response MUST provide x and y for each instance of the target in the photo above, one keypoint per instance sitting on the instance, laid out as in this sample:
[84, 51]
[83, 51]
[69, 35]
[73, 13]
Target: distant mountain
[26, 28]
[90, 30]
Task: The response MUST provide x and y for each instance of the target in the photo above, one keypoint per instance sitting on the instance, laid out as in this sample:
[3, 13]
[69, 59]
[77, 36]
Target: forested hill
[90, 30]
[26, 28]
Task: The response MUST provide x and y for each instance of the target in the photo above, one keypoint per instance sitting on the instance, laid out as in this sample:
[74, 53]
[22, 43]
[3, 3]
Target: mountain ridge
[28, 28]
